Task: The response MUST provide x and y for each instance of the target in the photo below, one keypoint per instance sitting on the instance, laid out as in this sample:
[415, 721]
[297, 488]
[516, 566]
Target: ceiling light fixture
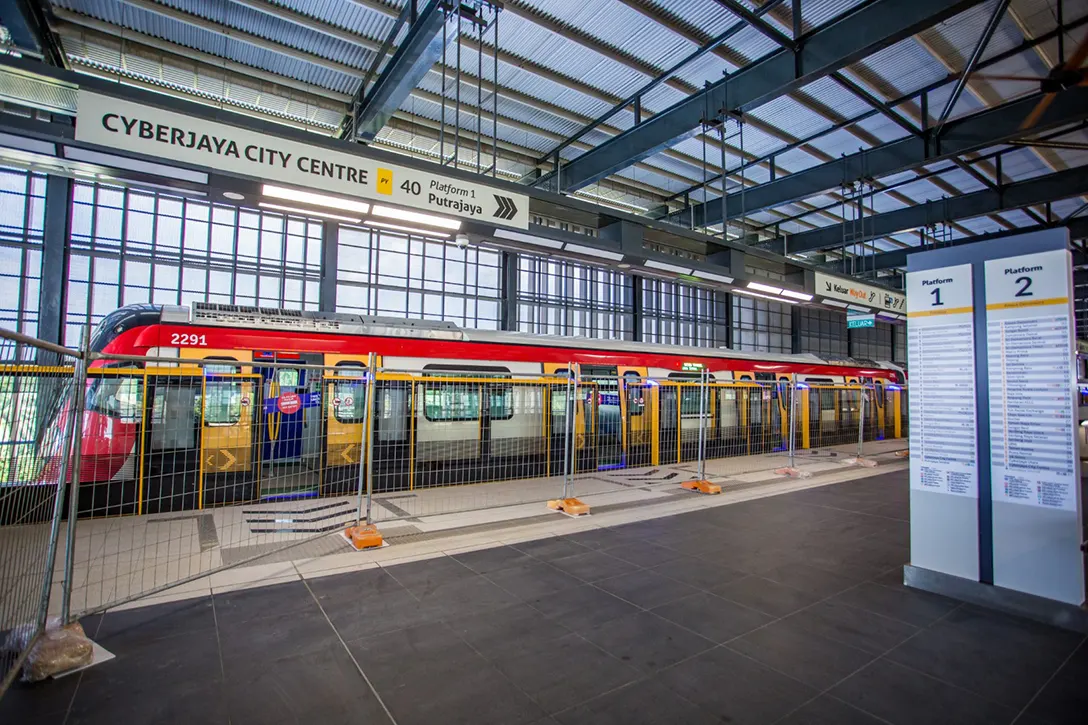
[528, 239]
[417, 217]
[307, 212]
[833, 303]
[308, 197]
[803, 296]
[710, 276]
[765, 288]
[858, 308]
[593, 252]
[410, 230]
[664, 266]
[765, 297]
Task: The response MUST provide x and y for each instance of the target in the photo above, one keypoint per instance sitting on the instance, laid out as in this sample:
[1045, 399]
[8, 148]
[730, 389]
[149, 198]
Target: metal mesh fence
[192, 466]
[443, 437]
[186, 467]
[35, 439]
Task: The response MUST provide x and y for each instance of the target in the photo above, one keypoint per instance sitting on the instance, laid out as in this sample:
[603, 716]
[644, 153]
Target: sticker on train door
[288, 403]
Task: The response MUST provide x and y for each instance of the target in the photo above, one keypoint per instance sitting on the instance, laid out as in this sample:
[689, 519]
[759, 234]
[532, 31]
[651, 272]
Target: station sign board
[123, 125]
[859, 293]
[854, 322]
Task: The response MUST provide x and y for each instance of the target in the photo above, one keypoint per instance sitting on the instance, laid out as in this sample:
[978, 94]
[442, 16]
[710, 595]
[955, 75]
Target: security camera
[462, 240]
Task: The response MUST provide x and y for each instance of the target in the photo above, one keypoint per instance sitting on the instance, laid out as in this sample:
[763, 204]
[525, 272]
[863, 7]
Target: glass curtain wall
[130, 246]
[822, 332]
[22, 221]
[761, 325]
[674, 313]
[391, 274]
[560, 297]
[872, 343]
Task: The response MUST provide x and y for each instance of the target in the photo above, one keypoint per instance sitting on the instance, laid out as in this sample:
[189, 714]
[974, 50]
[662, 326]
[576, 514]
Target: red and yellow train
[277, 406]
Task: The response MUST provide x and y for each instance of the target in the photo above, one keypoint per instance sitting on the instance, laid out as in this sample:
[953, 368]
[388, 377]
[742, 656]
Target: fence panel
[186, 467]
[448, 442]
[190, 467]
[35, 437]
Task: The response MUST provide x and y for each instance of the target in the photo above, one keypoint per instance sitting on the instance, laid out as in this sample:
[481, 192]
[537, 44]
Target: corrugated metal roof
[552, 83]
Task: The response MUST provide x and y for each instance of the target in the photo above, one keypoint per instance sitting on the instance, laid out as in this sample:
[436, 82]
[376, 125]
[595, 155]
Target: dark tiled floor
[782, 610]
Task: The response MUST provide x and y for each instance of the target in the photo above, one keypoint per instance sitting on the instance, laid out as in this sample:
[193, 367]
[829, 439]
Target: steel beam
[29, 29]
[1078, 229]
[421, 49]
[972, 62]
[981, 130]
[861, 32]
[1060, 185]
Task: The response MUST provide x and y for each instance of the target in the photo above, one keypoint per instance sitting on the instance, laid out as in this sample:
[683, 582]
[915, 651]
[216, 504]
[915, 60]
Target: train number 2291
[181, 338]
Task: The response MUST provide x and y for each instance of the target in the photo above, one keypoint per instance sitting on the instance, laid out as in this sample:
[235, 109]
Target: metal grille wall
[130, 246]
[761, 326]
[402, 275]
[679, 314]
[22, 219]
[899, 351]
[560, 297]
[872, 343]
[821, 332]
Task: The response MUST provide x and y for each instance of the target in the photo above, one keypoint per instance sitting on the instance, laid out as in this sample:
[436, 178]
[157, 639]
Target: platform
[119, 558]
[777, 609]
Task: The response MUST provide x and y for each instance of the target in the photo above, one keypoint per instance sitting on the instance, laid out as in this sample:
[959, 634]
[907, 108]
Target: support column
[330, 251]
[508, 288]
[54, 288]
[636, 307]
[795, 330]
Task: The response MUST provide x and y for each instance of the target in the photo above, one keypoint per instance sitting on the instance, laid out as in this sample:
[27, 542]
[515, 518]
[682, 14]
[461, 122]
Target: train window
[117, 396]
[451, 401]
[349, 396]
[500, 402]
[210, 369]
[690, 396]
[222, 402]
[287, 377]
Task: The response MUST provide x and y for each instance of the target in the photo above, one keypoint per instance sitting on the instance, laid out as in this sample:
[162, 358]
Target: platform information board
[1030, 353]
[941, 359]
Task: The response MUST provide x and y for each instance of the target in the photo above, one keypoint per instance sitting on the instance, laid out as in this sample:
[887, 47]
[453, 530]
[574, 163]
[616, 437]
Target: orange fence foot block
[793, 472]
[364, 537]
[569, 506]
[702, 487]
[902, 454]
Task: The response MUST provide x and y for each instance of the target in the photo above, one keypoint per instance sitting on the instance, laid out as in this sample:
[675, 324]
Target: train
[212, 404]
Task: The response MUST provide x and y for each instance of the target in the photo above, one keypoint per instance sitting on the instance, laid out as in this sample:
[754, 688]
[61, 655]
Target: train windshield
[118, 396]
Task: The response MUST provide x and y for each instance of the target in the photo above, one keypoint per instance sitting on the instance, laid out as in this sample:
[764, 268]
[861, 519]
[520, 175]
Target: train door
[227, 434]
[875, 409]
[782, 410]
[669, 422]
[605, 414]
[557, 421]
[291, 443]
[345, 415]
[171, 466]
[634, 399]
